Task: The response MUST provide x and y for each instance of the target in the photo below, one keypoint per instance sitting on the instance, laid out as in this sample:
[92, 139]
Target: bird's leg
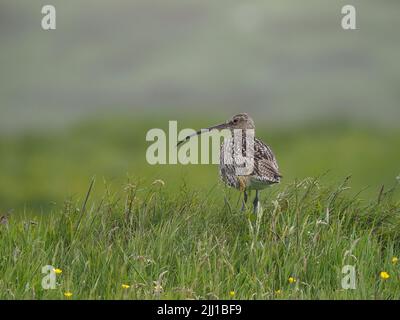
[244, 200]
[256, 203]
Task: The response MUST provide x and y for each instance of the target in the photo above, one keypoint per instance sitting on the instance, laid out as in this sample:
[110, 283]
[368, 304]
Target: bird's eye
[235, 120]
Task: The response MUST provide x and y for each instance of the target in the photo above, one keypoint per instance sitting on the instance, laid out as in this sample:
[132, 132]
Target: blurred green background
[78, 101]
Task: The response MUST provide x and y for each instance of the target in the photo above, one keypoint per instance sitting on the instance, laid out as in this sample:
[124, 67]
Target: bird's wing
[263, 151]
[265, 165]
[266, 171]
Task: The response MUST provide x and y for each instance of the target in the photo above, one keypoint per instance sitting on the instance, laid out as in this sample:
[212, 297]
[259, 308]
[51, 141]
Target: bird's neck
[243, 132]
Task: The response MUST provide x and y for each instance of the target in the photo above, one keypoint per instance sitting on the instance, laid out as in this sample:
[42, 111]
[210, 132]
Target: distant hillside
[286, 62]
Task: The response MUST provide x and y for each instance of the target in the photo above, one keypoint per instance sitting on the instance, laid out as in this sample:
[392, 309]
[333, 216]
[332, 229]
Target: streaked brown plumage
[262, 171]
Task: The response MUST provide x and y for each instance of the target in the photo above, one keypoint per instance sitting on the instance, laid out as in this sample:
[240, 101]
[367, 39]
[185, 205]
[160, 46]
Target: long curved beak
[217, 127]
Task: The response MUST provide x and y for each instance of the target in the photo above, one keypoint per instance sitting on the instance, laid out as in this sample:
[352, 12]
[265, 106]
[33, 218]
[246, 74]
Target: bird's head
[240, 121]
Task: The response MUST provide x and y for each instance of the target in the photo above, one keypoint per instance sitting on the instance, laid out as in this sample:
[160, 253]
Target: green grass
[198, 245]
[189, 235]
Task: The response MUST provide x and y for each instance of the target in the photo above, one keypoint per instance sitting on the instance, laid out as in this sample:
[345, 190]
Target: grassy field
[185, 237]
[188, 245]
[40, 169]
[76, 104]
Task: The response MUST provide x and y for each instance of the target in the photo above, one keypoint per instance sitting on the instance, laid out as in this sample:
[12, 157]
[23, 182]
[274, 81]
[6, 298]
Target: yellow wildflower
[384, 275]
[278, 292]
[292, 280]
[68, 294]
[125, 286]
[395, 260]
[231, 294]
[57, 271]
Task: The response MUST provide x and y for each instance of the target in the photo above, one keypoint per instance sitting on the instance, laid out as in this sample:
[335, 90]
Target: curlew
[246, 163]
